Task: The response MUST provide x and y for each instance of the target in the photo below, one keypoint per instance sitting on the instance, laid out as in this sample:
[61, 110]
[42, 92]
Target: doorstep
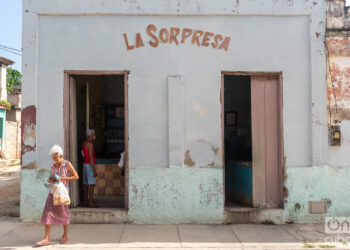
[5, 163]
[244, 215]
[97, 215]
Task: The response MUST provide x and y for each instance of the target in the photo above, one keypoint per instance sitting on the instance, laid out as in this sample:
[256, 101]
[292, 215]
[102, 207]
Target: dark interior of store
[100, 106]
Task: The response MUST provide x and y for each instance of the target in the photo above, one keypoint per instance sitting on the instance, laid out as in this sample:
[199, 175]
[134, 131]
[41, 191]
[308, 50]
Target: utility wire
[10, 51]
[10, 48]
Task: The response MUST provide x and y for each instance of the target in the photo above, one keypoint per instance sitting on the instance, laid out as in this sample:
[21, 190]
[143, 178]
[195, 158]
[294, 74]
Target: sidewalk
[15, 235]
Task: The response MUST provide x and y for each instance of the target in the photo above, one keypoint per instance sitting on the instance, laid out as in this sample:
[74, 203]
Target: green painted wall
[34, 183]
[195, 195]
[176, 195]
[314, 184]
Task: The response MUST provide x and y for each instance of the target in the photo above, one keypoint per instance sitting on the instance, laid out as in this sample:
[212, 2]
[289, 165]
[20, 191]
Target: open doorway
[252, 139]
[238, 141]
[98, 101]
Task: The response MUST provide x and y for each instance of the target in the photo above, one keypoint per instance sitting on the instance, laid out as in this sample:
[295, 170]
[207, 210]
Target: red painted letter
[173, 35]
[139, 41]
[206, 38]
[216, 42]
[224, 45]
[151, 28]
[185, 33]
[162, 32]
[196, 35]
[128, 47]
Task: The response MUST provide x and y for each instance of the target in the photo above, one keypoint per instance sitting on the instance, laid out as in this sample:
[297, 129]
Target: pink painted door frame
[66, 115]
[268, 177]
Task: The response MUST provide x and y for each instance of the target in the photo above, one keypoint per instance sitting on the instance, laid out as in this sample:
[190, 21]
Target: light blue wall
[315, 184]
[34, 191]
[176, 195]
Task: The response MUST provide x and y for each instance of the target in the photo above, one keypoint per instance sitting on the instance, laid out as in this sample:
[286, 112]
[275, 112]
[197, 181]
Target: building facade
[217, 106]
[4, 63]
[13, 123]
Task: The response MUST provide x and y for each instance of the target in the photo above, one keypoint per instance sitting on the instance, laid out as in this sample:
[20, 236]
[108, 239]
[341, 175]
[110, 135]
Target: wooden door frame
[281, 168]
[66, 124]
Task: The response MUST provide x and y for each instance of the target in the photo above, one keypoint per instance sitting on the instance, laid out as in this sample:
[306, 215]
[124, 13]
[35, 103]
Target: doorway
[252, 140]
[98, 101]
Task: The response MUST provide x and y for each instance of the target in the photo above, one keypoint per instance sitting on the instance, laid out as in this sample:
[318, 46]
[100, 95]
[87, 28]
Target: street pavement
[16, 235]
[9, 190]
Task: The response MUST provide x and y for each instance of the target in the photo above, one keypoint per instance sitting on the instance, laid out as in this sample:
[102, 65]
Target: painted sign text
[175, 35]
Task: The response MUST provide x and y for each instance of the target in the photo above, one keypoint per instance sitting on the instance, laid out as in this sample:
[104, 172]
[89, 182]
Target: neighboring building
[4, 62]
[13, 124]
[338, 72]
[218, 105]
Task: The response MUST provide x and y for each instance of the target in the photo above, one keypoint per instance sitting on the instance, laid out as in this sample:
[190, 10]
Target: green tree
[13, 77]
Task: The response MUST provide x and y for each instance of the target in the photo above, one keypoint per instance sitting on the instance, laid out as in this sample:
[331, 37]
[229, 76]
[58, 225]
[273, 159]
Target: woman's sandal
[64, 240]
[43, 243]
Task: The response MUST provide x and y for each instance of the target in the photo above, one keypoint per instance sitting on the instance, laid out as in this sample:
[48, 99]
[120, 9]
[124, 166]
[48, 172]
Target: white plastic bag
[121, 161]
[60, 194]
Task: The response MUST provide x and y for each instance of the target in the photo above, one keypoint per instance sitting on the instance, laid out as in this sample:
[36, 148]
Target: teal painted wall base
[176, 195]
[314, 184]
[195, 195]
[34, 190]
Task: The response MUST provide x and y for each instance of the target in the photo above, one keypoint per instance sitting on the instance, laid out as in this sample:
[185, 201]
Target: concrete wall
[15, 99]
[13, 126]
[266, 36]
[13, 139]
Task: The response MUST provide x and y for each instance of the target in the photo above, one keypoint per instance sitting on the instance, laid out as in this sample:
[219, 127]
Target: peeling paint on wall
[191, 195]
[338, 16]
[338, 46]
[216, 150]
[30, 165]
[338, 78]
[188, 160]
[338, 70]
[316, 184]
[28, 141]
[198, 108]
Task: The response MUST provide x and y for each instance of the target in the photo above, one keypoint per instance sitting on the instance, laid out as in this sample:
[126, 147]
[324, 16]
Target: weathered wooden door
[73, 140]
[266, 136]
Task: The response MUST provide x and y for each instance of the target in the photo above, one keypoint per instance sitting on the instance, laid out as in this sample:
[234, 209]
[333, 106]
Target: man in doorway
[89, 170]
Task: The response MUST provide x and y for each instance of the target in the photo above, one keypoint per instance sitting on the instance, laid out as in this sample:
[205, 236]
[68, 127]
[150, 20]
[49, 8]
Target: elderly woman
[57, 215]
[89, 170]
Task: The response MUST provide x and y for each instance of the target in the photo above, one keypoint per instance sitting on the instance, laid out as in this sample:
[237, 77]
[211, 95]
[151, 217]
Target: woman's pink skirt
[54, 215]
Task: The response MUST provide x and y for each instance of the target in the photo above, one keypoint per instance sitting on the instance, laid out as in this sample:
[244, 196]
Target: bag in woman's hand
[60, 194]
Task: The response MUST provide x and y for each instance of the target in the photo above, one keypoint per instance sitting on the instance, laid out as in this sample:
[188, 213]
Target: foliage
[6, 104]
[14, 77]
[307, 245]
[268, 222]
